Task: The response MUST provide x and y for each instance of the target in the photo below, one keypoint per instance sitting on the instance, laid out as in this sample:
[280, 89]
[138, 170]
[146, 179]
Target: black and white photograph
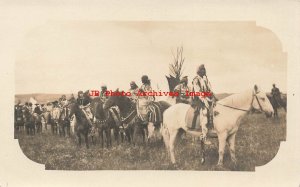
[149, 93]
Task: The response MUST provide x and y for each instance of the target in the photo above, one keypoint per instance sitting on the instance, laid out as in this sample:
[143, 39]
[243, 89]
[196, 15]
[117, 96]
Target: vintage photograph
[150, 95]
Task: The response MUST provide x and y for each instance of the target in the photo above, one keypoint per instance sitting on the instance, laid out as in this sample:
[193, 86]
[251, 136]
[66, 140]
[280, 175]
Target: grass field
[258, 140]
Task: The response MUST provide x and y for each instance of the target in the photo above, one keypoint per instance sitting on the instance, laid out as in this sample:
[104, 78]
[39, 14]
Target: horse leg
[79, 138]
[26, 129]
[231, 142]
[41, 127]
[144, 133]
[150, 130]
[116, 134]
[202, 152]
[101, 137]
[222, 143]
[33, 128]
[135, 133]
[108, 138]
[173, 135]
[69, 129]
[52, 128]
[275, 112]
[86, 139]
[128, 135]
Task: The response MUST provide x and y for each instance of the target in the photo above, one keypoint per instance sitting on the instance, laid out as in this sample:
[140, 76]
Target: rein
[233, 107]
[254, 95]
[131, 111]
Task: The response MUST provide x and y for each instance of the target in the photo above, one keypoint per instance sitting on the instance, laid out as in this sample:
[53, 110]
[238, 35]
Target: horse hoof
[202, 161]
[174, 166]
[234, 166]
[219, 167]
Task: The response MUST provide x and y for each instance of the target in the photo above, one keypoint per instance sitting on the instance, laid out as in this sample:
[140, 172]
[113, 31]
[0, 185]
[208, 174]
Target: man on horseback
[37, 109]
[103, 95]
[154, 114]
[206, 104]
[275, 92]
[84, 103]
[72, 99]
[134, 89]
[29, 107]
[182, 88]
[63, 101]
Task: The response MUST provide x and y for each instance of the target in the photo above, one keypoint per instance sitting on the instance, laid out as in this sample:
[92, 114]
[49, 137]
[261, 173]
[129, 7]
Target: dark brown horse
[105, 121]
[132, 123]
[81, 125]
[277, 102]
[129, 119]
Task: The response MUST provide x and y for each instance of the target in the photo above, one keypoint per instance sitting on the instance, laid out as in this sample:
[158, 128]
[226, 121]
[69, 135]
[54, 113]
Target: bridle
[130, 113]
[244, 110]
[106, 116]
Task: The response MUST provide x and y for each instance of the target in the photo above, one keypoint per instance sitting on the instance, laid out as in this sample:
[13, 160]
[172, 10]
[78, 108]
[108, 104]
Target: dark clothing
[103, 96]
[275, 92]
[182, 97]
[38, 110]
[18, 112]
[276, 96]
[84, 101]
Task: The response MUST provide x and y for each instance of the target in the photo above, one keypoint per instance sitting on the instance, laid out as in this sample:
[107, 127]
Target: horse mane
[97, 108]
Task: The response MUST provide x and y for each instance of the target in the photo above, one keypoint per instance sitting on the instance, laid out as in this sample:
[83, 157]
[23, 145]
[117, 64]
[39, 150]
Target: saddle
[192, 124]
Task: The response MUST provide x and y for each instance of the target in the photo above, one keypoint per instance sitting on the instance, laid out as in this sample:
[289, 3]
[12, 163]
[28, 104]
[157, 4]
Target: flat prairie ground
[257, 143]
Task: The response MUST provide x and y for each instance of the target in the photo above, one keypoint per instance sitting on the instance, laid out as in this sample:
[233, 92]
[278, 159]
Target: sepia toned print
[61, 122]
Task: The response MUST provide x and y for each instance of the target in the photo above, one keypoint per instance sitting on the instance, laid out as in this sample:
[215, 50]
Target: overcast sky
[64, 57]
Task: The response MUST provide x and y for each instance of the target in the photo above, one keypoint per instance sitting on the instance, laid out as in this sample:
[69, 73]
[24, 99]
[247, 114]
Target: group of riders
[200, 83]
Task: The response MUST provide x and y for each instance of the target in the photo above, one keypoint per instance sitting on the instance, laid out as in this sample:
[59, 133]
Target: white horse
[226, 123]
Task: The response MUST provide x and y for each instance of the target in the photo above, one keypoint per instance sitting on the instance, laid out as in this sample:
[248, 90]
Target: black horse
[105, 121]
[132, 123]
[277, 102]
[82, 125]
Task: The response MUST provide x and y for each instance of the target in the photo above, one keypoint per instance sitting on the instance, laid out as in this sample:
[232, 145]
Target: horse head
[74, 108]
[97, 108]
[112, 101]
[260, 102]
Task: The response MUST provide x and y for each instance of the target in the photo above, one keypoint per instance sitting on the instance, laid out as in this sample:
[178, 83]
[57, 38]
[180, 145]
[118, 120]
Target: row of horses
[121, 115]
[32, 123]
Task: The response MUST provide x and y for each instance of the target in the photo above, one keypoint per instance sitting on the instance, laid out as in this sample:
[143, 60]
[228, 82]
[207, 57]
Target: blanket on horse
[149, 111]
